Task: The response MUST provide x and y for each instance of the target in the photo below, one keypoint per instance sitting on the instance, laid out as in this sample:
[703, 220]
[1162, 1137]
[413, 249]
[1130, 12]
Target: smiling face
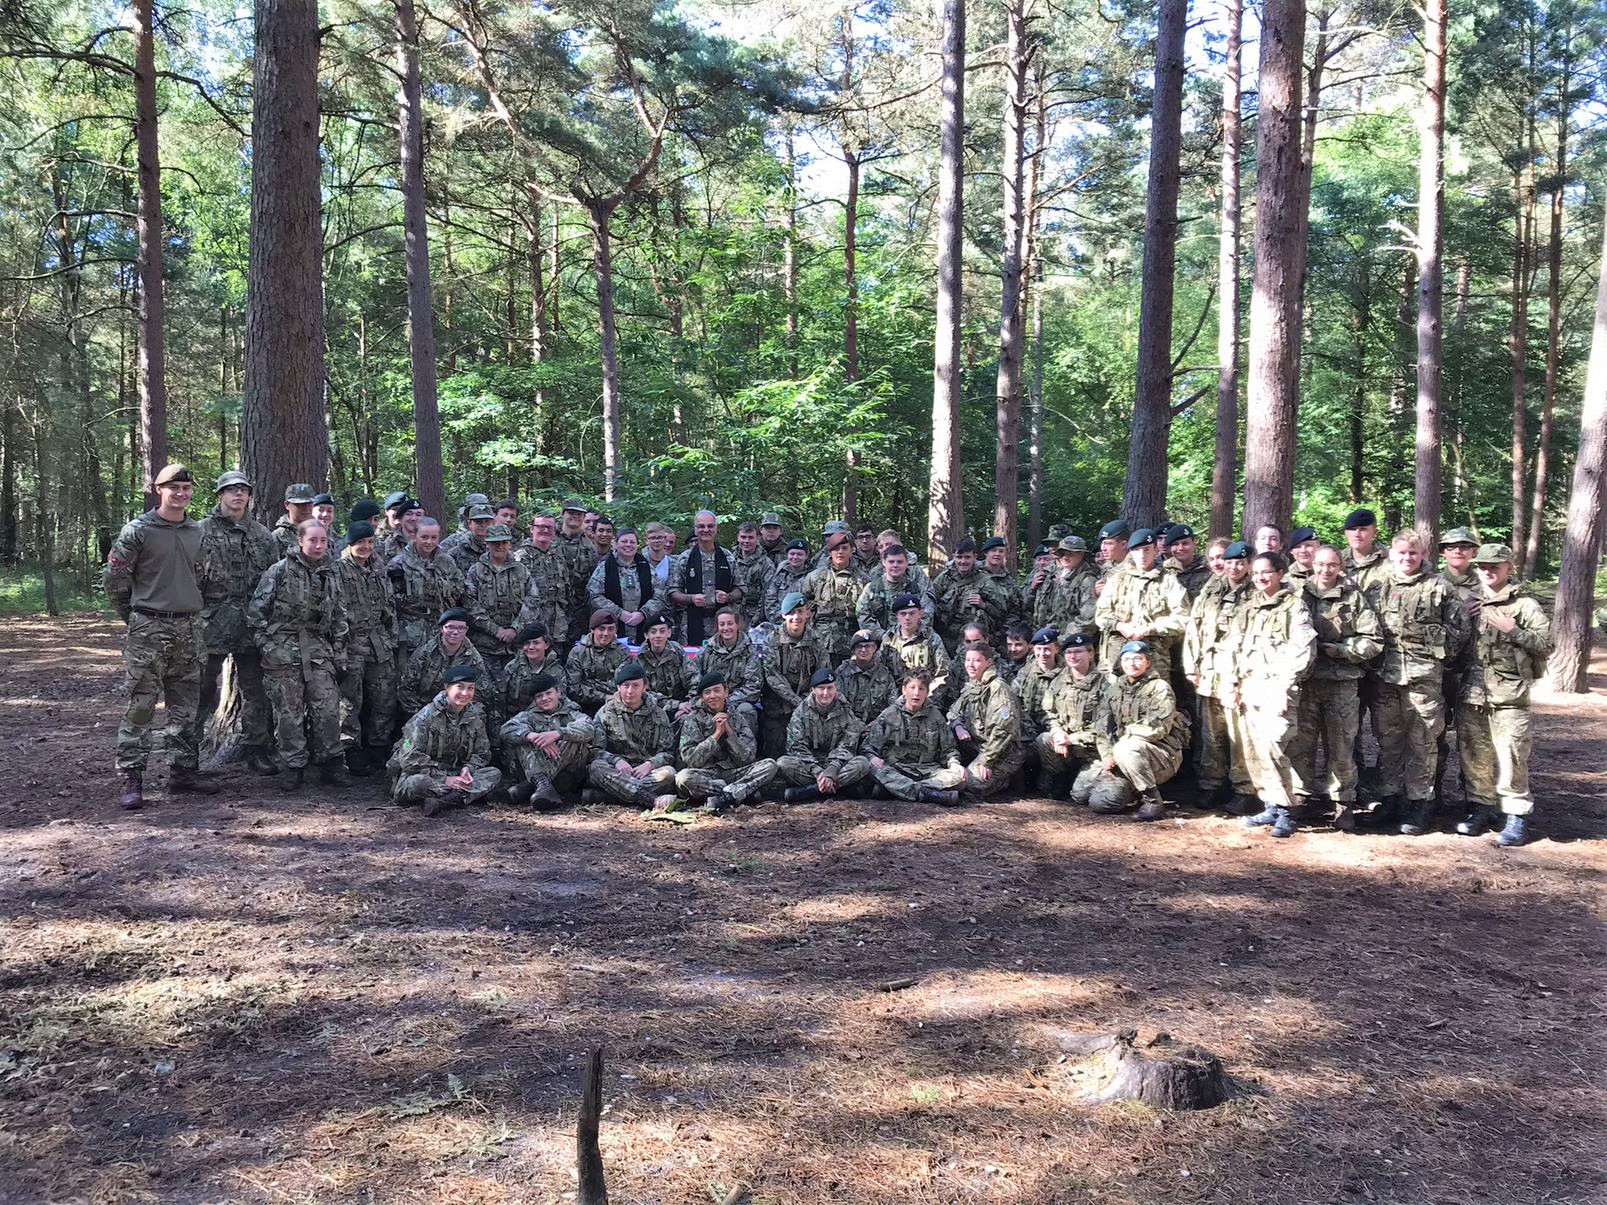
[824, 695]
[658, 637]
[1327, 568]
[1266, 575]
[1305, 553]
[314, 541]
[1135, 665]
[535, 650]
[1406, 556]
[427, 539]
[725, 625]
[624, 547]
[1236, 570]
[976, 663]
[453, 634]
[460, 694]
[704, 525]
[713, 697]
[324, 512]
[965, 563]
[548, 700]
[1144, 556]
[796, 558]
[1213, 558]
[1495, 575]
[1458, 557]
[997, 558]
[747, 541]
[1080, 657]
[1046, 655]
[411, 522]
[603, 634]
[362, 550]
[1183, 551]
[1268, 539]
[234, 501]
[543, 531]
[1017, 647]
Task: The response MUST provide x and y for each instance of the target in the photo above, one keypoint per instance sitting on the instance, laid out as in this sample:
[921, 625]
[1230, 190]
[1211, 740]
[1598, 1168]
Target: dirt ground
[331, 1000]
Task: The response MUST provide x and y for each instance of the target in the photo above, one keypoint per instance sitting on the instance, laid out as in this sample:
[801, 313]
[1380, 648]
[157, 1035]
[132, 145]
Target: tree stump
[1164, 1075]
[588, 1157]
[222, 737]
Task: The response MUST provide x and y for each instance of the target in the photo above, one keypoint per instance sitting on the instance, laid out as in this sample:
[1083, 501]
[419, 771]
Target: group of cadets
[581, 661]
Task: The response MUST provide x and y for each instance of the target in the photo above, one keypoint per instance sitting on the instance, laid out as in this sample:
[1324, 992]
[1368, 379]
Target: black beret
[1077, 640]
[366, 509]
[822, 677]
[710, 680]
[1043, 550]
[965, 545]
[903, 602]
[800, 545]
[323, 500]
[991, 543]
[1301, 534]
[661, 620]
[1181, 531]
[454, 613]
[532, 631]
[1045, 636]
[405, 505]
[1360, 517]
[629, 672]
[360, 530]
[542, 683]
[1116, 529]
[394, 499]
[459, 673]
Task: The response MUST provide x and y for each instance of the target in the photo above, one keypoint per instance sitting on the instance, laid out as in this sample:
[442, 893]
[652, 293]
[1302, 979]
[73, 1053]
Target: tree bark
[1225, 471]
[1430, 274]
[1518, 349]
[789, 280]
[591, 1187]
[540, 332]
[1587, 516]
[285, 435]
[1270, 432]
[945, 506]
[1542, 456]
[1012, 335]
[1360, 325]
[8, 483]
[1035, 437]
[152, 356]
[601, 213]
[851, 323]
[1144, 502]
[420, 305]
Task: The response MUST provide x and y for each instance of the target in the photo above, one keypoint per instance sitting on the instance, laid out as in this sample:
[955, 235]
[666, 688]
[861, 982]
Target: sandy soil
[330, 1000]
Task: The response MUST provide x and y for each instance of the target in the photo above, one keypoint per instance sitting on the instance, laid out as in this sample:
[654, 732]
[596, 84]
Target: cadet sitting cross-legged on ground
[1141, 739]
[719, 752]
[549, 746]
[636, 766]
[911, 747]
[986, 719]
[444, 757]
[823, 739]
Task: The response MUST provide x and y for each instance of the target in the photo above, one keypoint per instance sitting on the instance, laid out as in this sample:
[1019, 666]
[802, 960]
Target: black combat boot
[192, 781]
[357, 762]
[544, 796]
[448, 799]
[519, 793]
[1477, 822]
[1345, 817]
[1052, 785]
[947, 799]
[332, 773]
[800, 794]
[1243, 805]
[259, 761]
[133, 797]
[1153, 806]
[293, 779]
[1419, 820]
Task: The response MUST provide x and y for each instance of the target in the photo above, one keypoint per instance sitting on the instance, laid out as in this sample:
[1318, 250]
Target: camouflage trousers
[1266, 754]
[1052, 761]
[801, 771]
[1000, 776]
[368, 704]
[526, 763]
[1219, 760]
[1410, 720]
[306, 712]
[738, 786]
[838, 637]
[627, 788]
[1330, 714]
[906, 781]
[162, 660]
[1494, 744]
[256, 717]
[416, 788]
[1139, 766]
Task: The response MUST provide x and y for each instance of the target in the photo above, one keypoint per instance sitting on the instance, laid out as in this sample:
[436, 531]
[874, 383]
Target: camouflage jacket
[989, 710]
[1207, 653]
[1151, 598]
[284, 535]
[590, 672]
[1033, 686]
[465, 548]
[579, 558]
[739, 665]
[1273, 646]
[156, 564]
[234, 556]
[365, 593]
[701, 749]
[875, 606]
[1504, 663]
[1470, 594]
[787, 664]
[423, 590]
[1010, 590]
[1348, 635]
[425, 675]
[568, 722]
[516, 689]
[297, 616]
[1193, 578]
[388, 545]
[753, 574]
[630, 591]
[645, 734]
[495, 598]
[670, 674]
[546, 598]
[1425, 626]
[950, 592]
[438, 740]
[783, 581]
[824, 738]
[868, 690]
[1068, 602]
[911, 739]
[1143, 710]
[1011, 670]
[1073, 705]
[924, 650]
[1370, 574]
[835, 596]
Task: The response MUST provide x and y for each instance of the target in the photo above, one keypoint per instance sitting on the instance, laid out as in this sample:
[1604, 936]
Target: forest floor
[241, 998]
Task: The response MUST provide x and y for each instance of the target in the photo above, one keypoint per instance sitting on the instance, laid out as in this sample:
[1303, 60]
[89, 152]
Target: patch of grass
[22, 592]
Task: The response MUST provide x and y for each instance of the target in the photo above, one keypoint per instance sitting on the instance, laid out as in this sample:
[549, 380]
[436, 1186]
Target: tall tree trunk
[1430, 275]
[1518, 348]
[1225, 471]
[285, 435]
[1542, 457]
[1270, 433]
[1035, 437]
[43, 511]
[540, 335]
[1147, 465]
[851, 324]
[420, 305]
[1361, 324]
[603, 263]
[152, 356]
[1321, 50]
[789, 281]
[1012, 336]
[944, 501]
[1587, 515]
[8, 482]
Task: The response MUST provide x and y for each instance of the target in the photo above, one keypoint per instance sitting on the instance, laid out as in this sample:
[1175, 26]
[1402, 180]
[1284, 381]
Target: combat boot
[259, 761]
[1515, 833]
[357, 762]
[1052, 785]
[1419, 820]
[192, 781]
[447, 799]
[519, 793]
[1153, 806]
[293, 780]
[1345, 817]
[1477, 822]
[945, 799]
[1284, 826]
[800, 794]
[544, 796]
[1243, 805]
[332, 773]
[133, 797]
[1265, 817]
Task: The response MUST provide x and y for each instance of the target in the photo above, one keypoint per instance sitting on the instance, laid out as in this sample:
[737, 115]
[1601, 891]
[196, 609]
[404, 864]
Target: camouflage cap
[1459, 535]
[769, 519]
[231, 479]
[500, 533]
[173, 474]
[1058, 531]
[574, 504]
[1493, 554]
[1072, 544]
[833, 526]
[479, 510]
[300, 493]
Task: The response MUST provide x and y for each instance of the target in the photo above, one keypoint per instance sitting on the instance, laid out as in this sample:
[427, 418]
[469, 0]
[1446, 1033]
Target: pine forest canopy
[672, 255]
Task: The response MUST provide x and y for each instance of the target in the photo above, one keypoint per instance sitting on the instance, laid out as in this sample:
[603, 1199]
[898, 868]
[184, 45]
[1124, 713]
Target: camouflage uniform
[670, 674]
[589, 671]
[1073, 706]
[546, 599]
[516, 690]
[424, 588]
[1493, 714]
[782, 583]
[950, 592]
[300, 625]
[153, 580]
[918, 749]
[834, 595]
[580, 741]
[875, 606]
[1067, 603]
[284, 536]
[1193, 578]
[1150, 597]
[720, 768]
[823, 742]
[697, 623]
[368, 687]
[643, 735]
[425, 675]
[1140, 726]
[579, 557]
[924, 650]
[465, 548]
[753, 574]
[1369, 574]
[234, 556]
[1034, 686]
[739, 665]
[1425, 627]
[1208, 656]
[1010, 669]
[494, 598]
[989, 710]
[1273, 648]
[786, 665]
[436, 744]
[1348, 638]
[868, 690]
[1468, 592]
